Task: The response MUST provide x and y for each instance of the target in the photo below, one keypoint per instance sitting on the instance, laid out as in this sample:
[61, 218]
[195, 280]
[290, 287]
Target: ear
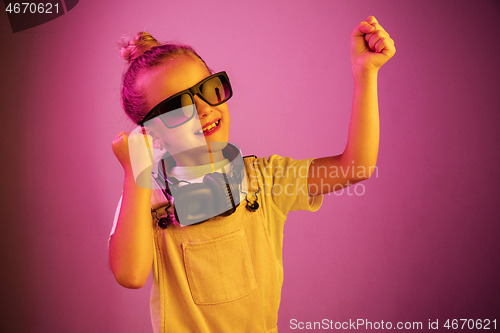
[157, 144]
[156, 140]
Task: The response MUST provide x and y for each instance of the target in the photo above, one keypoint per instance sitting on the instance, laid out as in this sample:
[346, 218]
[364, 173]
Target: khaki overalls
[223, 275]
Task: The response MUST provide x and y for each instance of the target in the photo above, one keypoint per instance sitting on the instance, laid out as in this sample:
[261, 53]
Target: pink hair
[143, 53]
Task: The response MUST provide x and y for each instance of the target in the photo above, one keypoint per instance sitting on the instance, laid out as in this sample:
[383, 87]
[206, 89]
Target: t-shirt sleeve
[157, 199]
[285, 182]
[115, 219]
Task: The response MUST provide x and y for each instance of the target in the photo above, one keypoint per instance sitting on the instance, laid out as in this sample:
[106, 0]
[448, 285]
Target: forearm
[364, 129]
[131, 246]
[371, 47]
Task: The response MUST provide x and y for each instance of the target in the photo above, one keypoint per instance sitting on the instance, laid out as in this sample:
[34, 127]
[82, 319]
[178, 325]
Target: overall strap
[253, 183]
[253, 186]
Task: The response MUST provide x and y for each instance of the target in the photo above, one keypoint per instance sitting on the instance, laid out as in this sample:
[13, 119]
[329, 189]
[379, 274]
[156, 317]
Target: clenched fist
[135, 154]
[371, 46]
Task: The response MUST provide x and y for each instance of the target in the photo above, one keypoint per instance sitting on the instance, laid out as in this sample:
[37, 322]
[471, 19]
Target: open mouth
[210, 129]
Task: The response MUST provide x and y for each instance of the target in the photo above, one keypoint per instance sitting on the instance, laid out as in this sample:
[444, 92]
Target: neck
[186, 159]
[202, 156]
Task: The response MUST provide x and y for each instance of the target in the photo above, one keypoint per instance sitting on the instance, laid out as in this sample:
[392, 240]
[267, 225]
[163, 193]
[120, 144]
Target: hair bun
[142, 42]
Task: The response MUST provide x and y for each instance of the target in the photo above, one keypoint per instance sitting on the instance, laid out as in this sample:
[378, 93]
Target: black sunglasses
[180, 108]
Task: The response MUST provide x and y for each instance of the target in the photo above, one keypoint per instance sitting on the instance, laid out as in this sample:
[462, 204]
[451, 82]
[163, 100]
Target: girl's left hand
[371, 46]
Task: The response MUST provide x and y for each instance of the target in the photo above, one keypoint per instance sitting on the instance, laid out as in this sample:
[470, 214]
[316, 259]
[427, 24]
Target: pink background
[421, 242]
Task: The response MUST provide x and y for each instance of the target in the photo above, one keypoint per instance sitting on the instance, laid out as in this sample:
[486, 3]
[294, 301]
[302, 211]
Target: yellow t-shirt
[225, 275]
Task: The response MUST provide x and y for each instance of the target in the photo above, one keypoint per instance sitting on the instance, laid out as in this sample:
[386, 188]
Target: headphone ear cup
[175, 214]
[222, 193]
[234, 183]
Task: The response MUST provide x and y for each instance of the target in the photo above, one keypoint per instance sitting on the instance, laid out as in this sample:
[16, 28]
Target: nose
[202, 107]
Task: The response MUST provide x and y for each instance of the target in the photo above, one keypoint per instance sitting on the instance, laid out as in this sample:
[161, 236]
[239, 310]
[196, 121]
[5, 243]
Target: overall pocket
[219, 270]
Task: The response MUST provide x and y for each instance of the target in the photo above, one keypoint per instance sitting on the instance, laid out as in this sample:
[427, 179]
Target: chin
[215, 146]
[222, 137]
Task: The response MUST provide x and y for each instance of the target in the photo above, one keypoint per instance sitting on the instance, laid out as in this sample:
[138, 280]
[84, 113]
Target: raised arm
[131, 246]
[371, 47]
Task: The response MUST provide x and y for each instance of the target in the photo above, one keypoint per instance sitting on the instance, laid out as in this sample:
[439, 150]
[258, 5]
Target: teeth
[208, 128]
[211, 127]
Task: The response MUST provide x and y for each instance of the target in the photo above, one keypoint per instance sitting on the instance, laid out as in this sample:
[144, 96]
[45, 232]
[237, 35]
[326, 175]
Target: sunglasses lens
[177, 111]
[216, 90]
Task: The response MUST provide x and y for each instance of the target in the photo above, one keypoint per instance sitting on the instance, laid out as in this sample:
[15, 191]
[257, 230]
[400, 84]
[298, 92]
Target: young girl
[225, 273]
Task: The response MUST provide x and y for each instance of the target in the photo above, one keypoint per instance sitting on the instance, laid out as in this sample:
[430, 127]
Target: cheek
[227, 118]
[169, 139]
[182, 138]
[174, 137]
[163, 135]
[228, 124]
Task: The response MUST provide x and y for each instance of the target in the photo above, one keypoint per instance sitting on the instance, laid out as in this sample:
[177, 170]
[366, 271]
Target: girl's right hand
[133, 152]
[121, 151]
